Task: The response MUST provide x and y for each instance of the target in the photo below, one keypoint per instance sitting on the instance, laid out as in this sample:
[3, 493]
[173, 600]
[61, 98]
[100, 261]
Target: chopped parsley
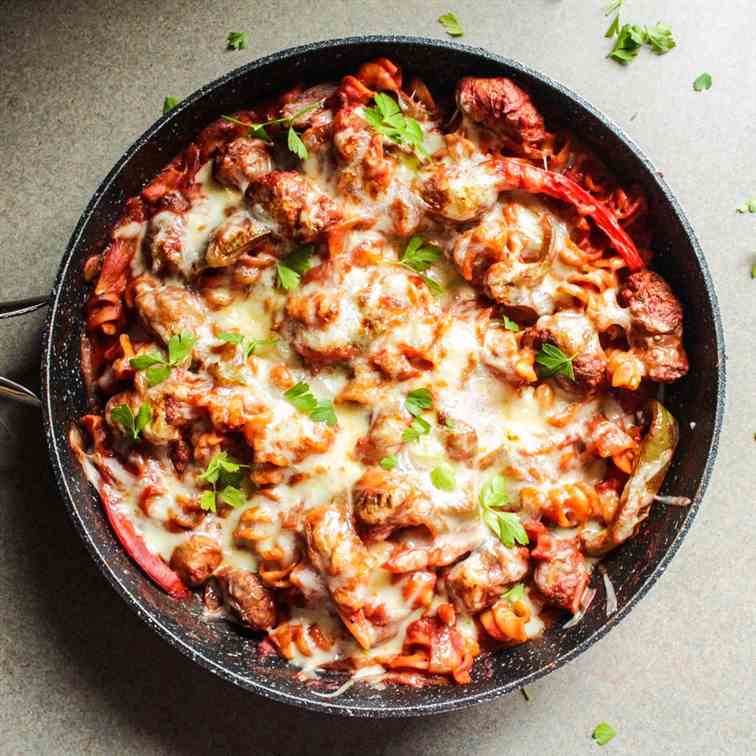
[290, 271]
[418, 400]
[753, 270]
[132, 425]
[443, 478]
[507, 526]
[222, 473]
[304, 400]
[236, 41]
[659, 38]
[553, 361]
[386, 118]
[156, 368]
[631, 37]
[169, 103]
[749, 206]
[450, 22]
[603, 733]
[418, 257]
[703, 82]
[388, 463]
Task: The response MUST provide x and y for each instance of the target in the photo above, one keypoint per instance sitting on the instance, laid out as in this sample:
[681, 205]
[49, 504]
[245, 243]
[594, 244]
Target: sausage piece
[500, 105]
[241, 161]
[292, 205]
[562, 574]
[196, 559]
[477, 582]
[247, 598]
[656, 330]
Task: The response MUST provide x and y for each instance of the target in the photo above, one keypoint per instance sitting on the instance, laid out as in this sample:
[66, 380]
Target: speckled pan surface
[697, 400]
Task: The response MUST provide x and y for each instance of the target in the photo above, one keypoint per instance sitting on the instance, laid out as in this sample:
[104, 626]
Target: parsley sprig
[387, 119]
[305, 401]
[389, 463]
[222, 473]
[416, 403]
[132, 425]
[553, 361]
[249, 345]
[289, 272]
[293, 140]
[157, 369]
[507, 526]
[418, 257]
[631, 37]
[749, 206]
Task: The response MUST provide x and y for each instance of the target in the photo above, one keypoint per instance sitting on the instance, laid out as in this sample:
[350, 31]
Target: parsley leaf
[418, 400]
[207, 501]
[236, 41]
[123, 415]
[418, 427]
[629, 40]
[388, 463]
[507, 526]
[418, 257]
[515, 593]
[659, 38]
[145, 360]
[233, 496]
[703, 82]
[180, 347]
[443, 478]
[603, 733]
[386, 118]
[753, 270]
[304, 400]
[614, 28]
[157, 373]
[296, 145]
[749, 206]
[293, 267]
[250, 345]
[324, 413]
[451, 23]
[553, 361]
[509, 324]
[169, 103]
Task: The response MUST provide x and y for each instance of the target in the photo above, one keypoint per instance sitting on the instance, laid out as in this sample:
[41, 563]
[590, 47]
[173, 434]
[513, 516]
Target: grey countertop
[79, 673]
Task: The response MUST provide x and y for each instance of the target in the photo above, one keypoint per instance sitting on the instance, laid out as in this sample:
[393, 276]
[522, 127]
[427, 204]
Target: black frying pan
[697, 401]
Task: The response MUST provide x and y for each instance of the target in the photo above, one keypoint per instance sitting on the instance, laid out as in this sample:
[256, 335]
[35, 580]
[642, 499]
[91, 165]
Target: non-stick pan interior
[696, 401]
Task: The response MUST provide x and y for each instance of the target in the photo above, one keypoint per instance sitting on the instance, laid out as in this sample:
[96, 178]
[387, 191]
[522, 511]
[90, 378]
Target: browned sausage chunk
[247, 598]
[656, 332]
[241, 161]
[562, 574]
[196, 559]
[503, 107]
[295, 208]
[460, 439]
[477, 582]
[383, 498]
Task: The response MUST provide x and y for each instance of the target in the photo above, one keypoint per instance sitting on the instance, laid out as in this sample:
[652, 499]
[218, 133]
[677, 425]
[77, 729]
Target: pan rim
[332, 706]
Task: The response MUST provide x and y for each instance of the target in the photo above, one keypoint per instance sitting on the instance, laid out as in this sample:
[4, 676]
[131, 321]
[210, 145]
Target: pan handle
[10, 389]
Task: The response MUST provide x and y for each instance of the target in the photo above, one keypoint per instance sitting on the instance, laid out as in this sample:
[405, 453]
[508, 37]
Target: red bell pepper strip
[516, 174]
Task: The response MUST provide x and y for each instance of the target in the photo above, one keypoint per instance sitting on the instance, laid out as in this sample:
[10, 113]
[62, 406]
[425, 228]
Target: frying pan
[697, 401]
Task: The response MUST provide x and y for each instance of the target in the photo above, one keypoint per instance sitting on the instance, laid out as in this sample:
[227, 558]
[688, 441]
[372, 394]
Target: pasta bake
[375, 373]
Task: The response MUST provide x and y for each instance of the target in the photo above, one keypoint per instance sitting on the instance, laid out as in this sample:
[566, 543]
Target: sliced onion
[585, 601]
[611, 596]
[673, 501]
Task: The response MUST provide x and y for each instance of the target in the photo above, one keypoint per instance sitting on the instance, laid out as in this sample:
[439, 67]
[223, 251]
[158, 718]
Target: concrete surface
[78, 672]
